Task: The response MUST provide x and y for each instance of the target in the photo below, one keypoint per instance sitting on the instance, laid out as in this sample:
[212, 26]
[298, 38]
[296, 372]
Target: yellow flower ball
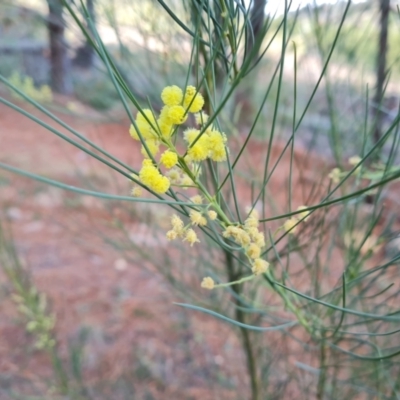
[161, 185]
[169, 159]
[177, 115]
[335, 175]
[148, 171]
[165, 128]
[186, 181]
[304, 214]
[151, 177]
[212, 215]
[147, 163]
[218, 154]
[136, 191]
[193, 101]
[164, 115]
[259, 239]
[199, 151]
[290, 225]
[231, 231]
[251, 221]
[190, 91]
[197, 218]
[201, 118]
[133, 132]
[216, 139]
[252, 231]
[197, 199]
[243, 238]
[145, 116]
[174, 175]
[187, 159]
[260, 266]
[208, 283]
[354, 160]
[143, 125]
[153, 146]
[253, 251]
[171, 235]
[191, 237]
[238, 234]
[172, 95]
[177, 223]
[190, 135]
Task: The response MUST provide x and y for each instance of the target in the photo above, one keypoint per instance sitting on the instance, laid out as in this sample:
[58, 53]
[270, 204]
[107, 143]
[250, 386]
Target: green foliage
[20, 21]
[357, 45]
[96, 91]
[9, 64]
[41, 94]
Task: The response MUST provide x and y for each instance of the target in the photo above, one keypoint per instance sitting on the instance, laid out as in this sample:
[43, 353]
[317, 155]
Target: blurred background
[101, 271]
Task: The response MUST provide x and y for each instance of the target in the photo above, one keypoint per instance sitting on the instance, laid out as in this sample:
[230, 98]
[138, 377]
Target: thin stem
[241, 317]
[322, 373]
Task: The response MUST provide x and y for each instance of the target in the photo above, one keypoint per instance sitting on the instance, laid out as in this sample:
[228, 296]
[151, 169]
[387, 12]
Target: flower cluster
[33, 305]
[181, 231]
[336, 174]
[290, 225]
[156, 132]
[208, 283]
[165, 165]
[251, 240]
[210, 144]
[152, 178]
[197, 218]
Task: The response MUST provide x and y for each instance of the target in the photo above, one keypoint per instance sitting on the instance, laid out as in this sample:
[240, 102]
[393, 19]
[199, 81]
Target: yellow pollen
[304, 214]
[197, 199]
[260, 266]
[208, 283]
[253, 251]
[212, 215]
[289, 225]
[201, 118]
[354, 160]
[177, 223]
[172, 95]
[136, 191]
[191, 237]
[169, 159]
[172, 235]
[193, 101]
[197, 218]
[335, 175]
[177, 115]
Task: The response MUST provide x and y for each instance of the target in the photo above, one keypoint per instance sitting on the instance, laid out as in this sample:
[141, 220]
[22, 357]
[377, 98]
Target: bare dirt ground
[136, 330]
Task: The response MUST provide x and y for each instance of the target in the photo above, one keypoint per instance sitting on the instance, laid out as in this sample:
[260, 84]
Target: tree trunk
[88, 48]
[84, 57]
[61, 81]
[384, 6]
[255, 34]
[254, 30]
